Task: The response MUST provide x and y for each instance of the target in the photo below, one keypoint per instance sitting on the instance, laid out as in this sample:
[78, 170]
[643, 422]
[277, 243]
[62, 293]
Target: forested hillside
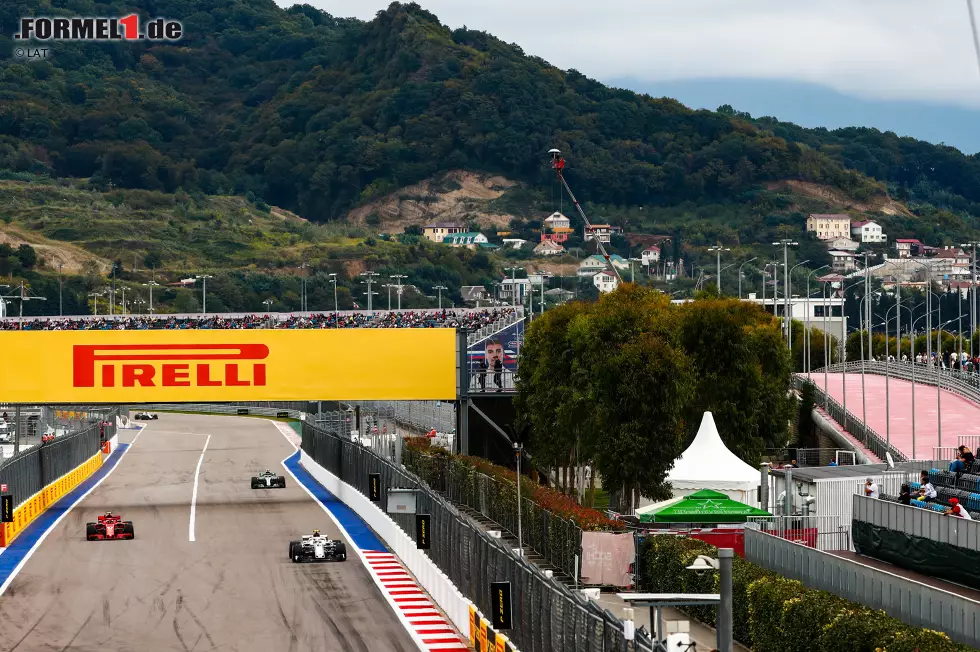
[318, 114]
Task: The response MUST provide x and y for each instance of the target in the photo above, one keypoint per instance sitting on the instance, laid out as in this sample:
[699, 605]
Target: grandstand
[965, 488]
[480, 319]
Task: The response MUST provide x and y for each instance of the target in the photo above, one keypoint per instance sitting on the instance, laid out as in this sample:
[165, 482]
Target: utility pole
[60, 287]
[95, 301]
[786, 243]
[513, 284]
[740, 276]
[112, 293]
[302, 297]
[124, 300]
[370, 279]
[399, 278]
[205, 277]
[718, 249]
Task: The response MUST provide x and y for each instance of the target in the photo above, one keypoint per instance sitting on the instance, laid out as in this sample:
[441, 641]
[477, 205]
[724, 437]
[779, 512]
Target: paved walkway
[960, 416]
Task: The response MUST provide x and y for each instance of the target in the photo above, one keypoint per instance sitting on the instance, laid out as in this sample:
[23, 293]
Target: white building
[816, 312]
[829, 227]
[650, 256]
[514, 243]
[596, 263]
[514, 290]
[843, 244]
[867, 232]
[605, 281]
[557, 221]
[468, 240]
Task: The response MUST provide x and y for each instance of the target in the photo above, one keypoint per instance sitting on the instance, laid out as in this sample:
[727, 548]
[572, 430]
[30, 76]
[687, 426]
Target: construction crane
[558, 164]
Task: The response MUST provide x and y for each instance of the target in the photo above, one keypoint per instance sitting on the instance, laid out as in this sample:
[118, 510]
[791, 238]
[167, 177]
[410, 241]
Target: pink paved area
[959, 415]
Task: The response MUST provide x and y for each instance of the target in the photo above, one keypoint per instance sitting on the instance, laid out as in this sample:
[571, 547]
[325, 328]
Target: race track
[232, 589]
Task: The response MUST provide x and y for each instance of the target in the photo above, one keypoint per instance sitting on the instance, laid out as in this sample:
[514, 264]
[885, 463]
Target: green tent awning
[705, 506]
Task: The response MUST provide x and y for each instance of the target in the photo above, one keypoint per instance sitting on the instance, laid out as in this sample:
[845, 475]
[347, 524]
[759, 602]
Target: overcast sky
[918, 50]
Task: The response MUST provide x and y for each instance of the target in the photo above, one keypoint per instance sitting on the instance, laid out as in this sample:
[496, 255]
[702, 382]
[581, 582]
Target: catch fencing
[915, 604]
[557, 540]
[28, 472]
[281, 409]
[546, 614]
[421, 416]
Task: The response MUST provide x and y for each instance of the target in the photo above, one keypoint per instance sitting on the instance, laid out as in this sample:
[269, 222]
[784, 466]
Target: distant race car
[268, 479]
[146, 416]
[316, 547]
[109, 526]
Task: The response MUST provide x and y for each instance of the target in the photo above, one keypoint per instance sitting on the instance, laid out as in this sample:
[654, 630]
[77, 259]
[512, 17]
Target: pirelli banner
[228, 365]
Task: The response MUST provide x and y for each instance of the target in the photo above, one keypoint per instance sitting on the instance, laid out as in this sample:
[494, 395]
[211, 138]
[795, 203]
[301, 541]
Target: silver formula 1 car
[268, 480]
[316, 547]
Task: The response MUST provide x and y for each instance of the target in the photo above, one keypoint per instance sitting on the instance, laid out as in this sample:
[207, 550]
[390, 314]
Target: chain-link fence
[421, 416]
[547, 615]
[557, 540]
[29, 471]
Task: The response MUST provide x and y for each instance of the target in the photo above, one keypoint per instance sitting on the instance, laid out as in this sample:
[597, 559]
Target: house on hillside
[843, 244]
[650, 256]
[829, 226]
[514, 243]
[557, 228]
[605, 281]
[557, 221]
[867, 231]
[597, 263]
[601, 232]
[842, 261]
[908, 248]
[439, 230]
[549, 248]
[514, 290]
[949, 262]
[468, 240]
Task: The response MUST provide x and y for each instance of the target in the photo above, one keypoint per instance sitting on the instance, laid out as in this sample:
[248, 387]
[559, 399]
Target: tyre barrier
[36, 504]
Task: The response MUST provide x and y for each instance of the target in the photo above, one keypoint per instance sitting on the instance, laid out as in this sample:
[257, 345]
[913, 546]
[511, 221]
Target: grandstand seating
[469, 319]
[966, 489]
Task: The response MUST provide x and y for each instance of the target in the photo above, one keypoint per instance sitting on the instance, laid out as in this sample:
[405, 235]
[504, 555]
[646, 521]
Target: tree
[27, 256]
[153, 260]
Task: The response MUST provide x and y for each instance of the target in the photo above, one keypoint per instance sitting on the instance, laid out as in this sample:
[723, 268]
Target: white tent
[708, 464]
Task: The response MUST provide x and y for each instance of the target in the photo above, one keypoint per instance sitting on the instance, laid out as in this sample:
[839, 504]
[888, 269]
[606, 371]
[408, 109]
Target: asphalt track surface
[232, 589]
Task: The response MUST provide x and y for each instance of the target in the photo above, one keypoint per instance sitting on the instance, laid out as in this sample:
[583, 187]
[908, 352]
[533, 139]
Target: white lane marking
[197, 473]
[51, 529]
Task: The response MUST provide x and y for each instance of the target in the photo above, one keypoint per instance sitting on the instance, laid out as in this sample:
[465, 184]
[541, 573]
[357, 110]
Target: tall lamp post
[205, 277]
[973, 292]
[789, 313]
[333, 279]
[302, 298]
[440, 288]
[786, 243]
[151, 285]
[513, 284]
[60, 285]
[519, 452]
[740, 275]
[718, 249]
[370, 279]
[888, 413]
[806, 341]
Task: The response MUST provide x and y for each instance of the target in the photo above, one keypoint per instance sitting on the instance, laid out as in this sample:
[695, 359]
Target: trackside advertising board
[228, 365]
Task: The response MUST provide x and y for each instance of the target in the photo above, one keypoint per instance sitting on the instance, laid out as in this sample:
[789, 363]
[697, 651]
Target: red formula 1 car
[110, 526]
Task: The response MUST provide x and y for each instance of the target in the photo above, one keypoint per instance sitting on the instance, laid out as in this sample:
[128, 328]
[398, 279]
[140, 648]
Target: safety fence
[557, 540]
[918, 522]
[860, 430]
[281, 409]
[421, 416]
[963, 383]
[28, 472]
[546, 614]
[810, 456]
[915, 604]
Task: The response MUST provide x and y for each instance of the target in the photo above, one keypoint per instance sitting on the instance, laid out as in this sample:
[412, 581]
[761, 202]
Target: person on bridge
[483, 374]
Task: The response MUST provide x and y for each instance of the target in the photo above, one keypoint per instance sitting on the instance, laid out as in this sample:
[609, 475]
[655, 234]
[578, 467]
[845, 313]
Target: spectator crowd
[470, 320]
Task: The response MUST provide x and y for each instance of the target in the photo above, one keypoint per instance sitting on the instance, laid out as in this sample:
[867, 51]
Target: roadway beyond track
[232, 589]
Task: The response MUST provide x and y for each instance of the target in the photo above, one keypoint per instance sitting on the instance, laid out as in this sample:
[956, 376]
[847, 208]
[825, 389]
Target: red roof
[657, 249]
[908, 241]
[860, 224]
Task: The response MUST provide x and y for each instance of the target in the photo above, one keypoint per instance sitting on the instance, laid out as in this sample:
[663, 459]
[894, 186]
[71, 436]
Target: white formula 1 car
[268, 479]
[146, 416]
[316, 547]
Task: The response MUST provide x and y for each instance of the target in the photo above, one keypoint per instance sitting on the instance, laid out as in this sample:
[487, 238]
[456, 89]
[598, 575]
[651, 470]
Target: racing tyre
[340, 553]
[255, 483]
[282, 483]
[292, 547]
[128, 529]
[90, 532]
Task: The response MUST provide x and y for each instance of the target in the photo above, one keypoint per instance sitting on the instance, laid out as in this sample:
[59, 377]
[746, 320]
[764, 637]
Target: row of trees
[621, 384]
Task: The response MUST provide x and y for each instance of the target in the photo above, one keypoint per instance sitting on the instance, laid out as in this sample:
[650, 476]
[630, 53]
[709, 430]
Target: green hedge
[774, 614]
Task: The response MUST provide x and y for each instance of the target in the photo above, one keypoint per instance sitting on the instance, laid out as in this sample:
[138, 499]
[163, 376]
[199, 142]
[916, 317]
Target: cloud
[875, 49]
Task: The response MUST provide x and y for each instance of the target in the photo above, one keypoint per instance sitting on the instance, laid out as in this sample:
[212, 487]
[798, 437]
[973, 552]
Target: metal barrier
[557, 540]
[965, 384]
[284, 409]
[915, 604]
[421, 416]
[823, 532]
[28, 472]
[811, 456]
[546, 614]
[864, 433]
[918, 522]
